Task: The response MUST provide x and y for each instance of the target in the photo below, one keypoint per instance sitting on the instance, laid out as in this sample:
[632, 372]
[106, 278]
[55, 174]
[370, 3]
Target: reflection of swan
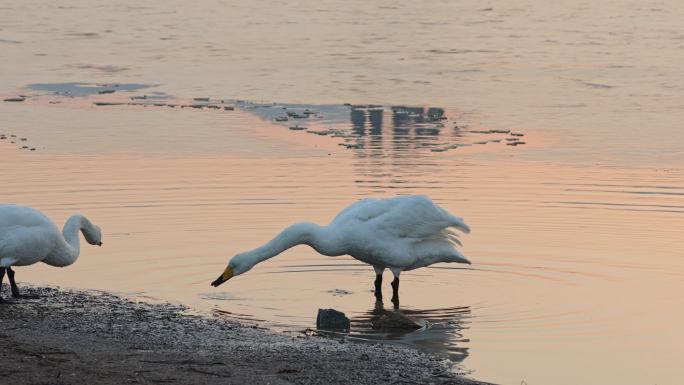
[27, 236]
[401, 233]
[442, 333]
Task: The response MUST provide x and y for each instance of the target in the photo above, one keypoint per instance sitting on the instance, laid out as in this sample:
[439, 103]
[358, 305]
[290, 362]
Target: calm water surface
[578, 260]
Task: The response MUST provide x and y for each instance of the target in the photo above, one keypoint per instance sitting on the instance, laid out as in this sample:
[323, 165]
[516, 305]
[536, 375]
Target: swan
[27, 236]
[399, 233]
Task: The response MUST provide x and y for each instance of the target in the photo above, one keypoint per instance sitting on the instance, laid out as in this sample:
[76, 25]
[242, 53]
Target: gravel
[79, 337]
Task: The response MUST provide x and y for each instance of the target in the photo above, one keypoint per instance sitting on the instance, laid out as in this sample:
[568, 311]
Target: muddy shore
[77, 337]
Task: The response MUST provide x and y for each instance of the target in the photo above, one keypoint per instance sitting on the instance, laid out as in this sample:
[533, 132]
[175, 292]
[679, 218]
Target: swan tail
[457, 257]
[458, 223]
[451, 236]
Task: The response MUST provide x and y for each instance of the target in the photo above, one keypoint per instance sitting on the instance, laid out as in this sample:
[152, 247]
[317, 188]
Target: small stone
[20, 99]
[331, 319]
[394, 320]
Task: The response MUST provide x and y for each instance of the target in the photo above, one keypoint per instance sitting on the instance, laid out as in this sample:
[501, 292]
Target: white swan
[27, 236]
[401, 233]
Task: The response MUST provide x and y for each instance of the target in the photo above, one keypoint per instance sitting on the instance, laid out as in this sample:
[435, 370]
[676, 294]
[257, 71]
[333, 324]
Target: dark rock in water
[394, 320]
[105, 91]
[331, 319]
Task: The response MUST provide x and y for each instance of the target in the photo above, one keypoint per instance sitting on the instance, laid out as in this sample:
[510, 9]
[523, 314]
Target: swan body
[27, 236]
[399, 233]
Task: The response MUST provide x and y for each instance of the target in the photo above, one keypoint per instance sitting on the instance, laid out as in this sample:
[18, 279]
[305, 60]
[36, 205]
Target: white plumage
[400, 233]
[27, 236]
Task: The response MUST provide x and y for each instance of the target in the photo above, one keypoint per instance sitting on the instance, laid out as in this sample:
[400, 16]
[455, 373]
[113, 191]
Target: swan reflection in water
[441, 332]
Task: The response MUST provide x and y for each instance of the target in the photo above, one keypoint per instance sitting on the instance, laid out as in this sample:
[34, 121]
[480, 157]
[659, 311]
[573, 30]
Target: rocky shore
[78, 337]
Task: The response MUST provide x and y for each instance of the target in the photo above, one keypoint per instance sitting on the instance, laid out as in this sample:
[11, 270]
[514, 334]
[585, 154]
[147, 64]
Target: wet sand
[70, 336]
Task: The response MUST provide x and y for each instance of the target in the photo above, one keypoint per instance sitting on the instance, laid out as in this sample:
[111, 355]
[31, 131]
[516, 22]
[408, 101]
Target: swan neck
[297, 234]
[75, 224]
[70, 232]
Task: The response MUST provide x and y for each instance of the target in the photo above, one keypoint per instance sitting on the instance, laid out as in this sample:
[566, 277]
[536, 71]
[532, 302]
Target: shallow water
[576, 238]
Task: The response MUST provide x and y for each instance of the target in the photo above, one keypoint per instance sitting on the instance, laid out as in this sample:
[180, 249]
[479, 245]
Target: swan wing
[400, 231]
[415, 216]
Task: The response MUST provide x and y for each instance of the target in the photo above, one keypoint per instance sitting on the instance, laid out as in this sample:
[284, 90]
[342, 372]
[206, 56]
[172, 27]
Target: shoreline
[74, 336]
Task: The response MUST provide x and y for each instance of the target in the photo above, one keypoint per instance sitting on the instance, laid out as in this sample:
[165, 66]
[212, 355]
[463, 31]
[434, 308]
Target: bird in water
[399, 233]
[27, 236]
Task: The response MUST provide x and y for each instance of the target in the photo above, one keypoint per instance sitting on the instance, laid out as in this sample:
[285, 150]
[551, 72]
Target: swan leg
[378, 282]
[395, 292]
[2, 277]
[378, 287]
[15, 289]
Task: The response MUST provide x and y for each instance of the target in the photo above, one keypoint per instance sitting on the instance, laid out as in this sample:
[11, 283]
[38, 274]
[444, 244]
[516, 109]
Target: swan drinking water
[400, 233]
[27, 236]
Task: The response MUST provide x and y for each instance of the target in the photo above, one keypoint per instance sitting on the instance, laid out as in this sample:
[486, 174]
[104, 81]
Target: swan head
[93, 235]
[238, 265]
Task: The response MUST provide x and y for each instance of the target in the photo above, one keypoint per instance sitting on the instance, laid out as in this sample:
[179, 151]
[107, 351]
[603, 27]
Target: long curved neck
[72, 227]
[300, 233]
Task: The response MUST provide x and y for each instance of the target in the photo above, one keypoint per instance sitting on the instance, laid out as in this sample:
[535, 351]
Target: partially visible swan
[400, 233]
[27, 236]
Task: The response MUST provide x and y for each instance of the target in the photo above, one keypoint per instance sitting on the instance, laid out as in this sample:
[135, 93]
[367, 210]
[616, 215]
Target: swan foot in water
[395, 292]
[378, 287]
[15, 289]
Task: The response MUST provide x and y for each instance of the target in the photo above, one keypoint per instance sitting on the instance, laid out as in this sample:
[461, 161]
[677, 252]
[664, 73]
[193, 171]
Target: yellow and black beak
[227, 274]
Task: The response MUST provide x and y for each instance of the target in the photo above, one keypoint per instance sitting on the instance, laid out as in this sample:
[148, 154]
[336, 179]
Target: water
[576, 238]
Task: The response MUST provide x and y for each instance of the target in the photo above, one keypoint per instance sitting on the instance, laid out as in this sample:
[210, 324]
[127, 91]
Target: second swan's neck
[72, 246]
[306, 233]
